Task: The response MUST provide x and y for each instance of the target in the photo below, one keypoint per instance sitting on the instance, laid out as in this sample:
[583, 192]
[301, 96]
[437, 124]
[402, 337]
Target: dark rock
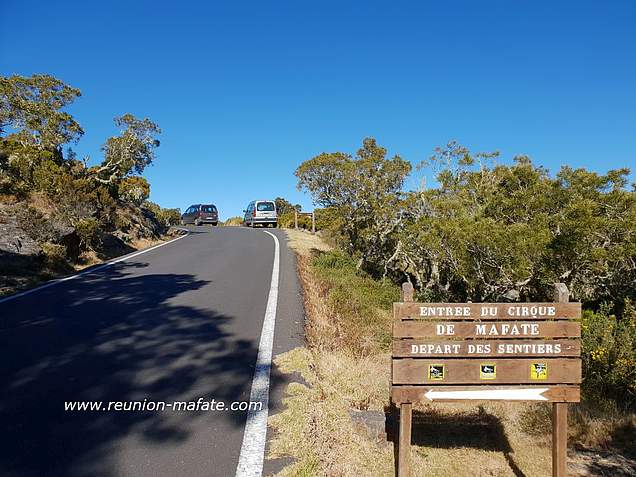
[112, 245]
[176, 231]
[372, 423]
[589, 462]
[13, 238]
[72, 243]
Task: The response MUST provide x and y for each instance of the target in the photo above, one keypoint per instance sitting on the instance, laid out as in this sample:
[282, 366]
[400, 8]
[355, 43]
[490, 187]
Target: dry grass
[144, 243]
[316, 428]
[233, 222]
[42, 203]
[462, 440]
[304, 243]
[459, 440]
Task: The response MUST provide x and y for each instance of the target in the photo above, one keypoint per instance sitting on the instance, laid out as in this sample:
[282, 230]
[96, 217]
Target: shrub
[134, 189]
[34, 224]
[166, 217]
[609, 356]
[287, 221]
[233, 221]
[88, 232]
[54, 255]
[327, 219]
[169, 217]
[47, 176]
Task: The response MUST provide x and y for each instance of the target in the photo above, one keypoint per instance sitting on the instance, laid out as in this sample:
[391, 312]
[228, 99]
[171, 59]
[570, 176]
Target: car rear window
[208, 208]
[265, 207]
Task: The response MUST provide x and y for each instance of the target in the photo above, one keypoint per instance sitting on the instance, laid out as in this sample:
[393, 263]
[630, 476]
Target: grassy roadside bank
[346, 369]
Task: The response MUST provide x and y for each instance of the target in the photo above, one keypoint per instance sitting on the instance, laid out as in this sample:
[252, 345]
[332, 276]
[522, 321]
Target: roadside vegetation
[484, 232]
[58, 212]
[233, 221]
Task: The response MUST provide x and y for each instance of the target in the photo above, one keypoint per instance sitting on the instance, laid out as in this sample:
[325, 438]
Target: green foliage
[364, 191]
[54, 256]
[81, 198]
[71, 200]
[361, 304]
[34, 224]
[488, 232]
[284, 207]
[510, 232]
[167, 217]
[48, 176]
[87, 230]
[287, 218]
[33, 107]
[135, 190]
[328, 219]
[288, 221]
[130, 152]
[609, 356]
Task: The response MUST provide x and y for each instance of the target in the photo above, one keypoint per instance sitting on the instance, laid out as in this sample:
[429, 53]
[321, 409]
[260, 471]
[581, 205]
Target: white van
[261, 212]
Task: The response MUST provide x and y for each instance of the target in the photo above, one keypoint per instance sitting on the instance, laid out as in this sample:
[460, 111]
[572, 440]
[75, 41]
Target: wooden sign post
[454, 352]
[313, 220]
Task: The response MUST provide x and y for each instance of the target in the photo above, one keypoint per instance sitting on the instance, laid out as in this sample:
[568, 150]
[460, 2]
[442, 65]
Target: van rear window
[265, 207]
[208, 208]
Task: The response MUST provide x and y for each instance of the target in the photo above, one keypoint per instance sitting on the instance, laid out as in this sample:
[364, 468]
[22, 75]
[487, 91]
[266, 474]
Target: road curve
[177, 323]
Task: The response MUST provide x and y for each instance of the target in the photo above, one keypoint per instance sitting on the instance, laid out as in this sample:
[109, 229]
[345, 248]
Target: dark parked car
[199, 214]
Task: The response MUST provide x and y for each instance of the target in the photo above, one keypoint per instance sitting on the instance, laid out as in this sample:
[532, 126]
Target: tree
[505, 232]
[32, 108]
[283, 206]
[130, 152]
[365, 191]
[487, 231]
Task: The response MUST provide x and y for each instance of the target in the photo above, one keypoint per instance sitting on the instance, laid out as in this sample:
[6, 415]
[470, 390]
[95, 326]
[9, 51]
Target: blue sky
[246, 91]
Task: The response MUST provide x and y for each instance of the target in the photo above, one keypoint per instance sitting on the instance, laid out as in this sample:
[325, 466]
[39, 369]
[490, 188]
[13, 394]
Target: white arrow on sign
[530, 394]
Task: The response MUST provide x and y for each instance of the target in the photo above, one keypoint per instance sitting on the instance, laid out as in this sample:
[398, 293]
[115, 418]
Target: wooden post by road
[406, 413]
[313, 222]
[560, 410]
[295, 219]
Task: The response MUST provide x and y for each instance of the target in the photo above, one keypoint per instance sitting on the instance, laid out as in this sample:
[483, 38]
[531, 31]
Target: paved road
[174, 324]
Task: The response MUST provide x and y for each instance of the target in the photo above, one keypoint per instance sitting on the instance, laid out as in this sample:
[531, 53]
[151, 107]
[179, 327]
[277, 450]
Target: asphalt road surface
[178, 323]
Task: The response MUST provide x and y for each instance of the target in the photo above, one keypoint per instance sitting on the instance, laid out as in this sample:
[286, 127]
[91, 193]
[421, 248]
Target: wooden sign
[453, 352]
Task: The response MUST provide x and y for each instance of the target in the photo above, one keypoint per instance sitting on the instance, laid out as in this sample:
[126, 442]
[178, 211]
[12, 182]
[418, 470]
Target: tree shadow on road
[112, 337]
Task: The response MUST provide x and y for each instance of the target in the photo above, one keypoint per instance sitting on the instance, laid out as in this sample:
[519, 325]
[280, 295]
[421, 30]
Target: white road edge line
[250, 462]
[86, 272]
